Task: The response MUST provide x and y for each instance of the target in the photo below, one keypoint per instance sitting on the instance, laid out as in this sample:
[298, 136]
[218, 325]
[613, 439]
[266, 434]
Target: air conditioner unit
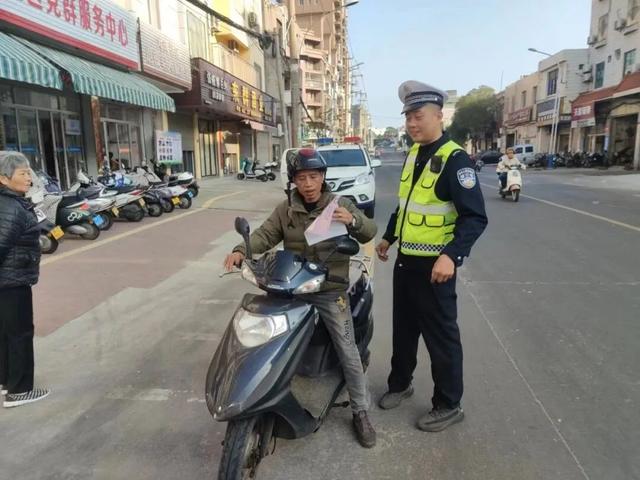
[252, 19]
[620, 24]
[587, 76]
[637, 67]
[591, 39]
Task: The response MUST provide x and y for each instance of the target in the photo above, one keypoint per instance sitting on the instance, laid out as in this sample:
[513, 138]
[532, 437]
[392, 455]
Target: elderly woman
[19, 268]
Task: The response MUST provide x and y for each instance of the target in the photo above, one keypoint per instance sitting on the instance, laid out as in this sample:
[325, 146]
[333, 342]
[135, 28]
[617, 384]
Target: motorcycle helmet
[305, 159]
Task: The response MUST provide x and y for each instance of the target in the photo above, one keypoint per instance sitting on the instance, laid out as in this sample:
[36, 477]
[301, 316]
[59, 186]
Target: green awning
[21, 64]
[92, 78]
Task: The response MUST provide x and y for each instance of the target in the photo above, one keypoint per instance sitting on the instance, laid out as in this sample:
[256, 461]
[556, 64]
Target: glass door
[29, 139]
[59, 146]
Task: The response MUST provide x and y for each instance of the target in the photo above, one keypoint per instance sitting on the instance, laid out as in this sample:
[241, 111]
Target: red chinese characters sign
[583, 116]
[98, 27]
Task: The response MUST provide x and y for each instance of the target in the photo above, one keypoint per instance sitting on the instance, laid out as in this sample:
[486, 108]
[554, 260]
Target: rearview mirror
[243, 228]
[375, 163]
[347, 246]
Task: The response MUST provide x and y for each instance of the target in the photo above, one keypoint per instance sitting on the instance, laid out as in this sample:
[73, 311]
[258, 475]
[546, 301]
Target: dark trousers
[424, 308]
[503, 179]
[16, 339]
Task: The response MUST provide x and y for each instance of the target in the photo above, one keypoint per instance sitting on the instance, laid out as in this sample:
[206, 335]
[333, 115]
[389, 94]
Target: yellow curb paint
[581, 212]
[120, 236]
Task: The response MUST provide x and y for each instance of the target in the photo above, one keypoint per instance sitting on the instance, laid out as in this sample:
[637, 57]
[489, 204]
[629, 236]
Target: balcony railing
[234, 64]
[314, 81]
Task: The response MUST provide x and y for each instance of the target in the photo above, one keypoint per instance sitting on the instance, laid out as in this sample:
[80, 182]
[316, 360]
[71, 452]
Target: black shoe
[17, 399]
[393, 399]
[440, 418]
[365, 433]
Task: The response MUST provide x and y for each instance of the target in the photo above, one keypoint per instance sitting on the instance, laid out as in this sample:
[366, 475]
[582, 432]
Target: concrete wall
[612, 43]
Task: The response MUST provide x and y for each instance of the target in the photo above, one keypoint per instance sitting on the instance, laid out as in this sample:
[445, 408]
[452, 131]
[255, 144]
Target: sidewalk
[614, 178]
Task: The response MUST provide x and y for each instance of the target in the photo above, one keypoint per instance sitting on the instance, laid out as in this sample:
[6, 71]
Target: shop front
[235, 119]
[65, 112]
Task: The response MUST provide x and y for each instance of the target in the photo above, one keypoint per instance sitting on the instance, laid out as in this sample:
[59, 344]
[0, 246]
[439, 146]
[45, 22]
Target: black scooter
[275, 372]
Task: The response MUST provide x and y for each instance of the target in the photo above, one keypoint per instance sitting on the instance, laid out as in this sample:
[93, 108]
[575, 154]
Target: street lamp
[556, 105]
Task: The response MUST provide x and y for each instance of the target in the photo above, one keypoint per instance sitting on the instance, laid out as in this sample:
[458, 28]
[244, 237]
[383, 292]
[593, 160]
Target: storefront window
[70, 103]
[8, 129]
[5, 94]
[28, 135]
[35, 99]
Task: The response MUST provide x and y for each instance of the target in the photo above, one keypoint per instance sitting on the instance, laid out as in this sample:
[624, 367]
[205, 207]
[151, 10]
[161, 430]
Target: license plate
[190, 193]
[141, 202]
[115, 211]
[175, 200]
[57, 233]
[98, 220]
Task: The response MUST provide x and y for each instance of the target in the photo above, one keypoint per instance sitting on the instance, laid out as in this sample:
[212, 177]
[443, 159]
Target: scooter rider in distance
[504, 165]
[288, 222]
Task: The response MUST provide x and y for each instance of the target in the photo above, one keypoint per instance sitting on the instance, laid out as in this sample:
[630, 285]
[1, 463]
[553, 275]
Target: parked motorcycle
[182, 179]
[67, 210]
[270, 167]
[514, 183]
[169, 196]
[275, 372]
[50, 233]
[249, 170]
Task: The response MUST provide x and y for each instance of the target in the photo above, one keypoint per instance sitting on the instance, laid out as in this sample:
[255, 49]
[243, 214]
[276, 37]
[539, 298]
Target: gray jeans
[335, 312]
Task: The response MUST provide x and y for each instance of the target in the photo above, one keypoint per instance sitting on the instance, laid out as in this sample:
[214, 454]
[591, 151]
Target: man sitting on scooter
[288, 222]
[504, 165]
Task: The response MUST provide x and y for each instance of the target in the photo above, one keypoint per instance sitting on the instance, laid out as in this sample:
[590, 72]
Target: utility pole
[295, 79]
[283, 106]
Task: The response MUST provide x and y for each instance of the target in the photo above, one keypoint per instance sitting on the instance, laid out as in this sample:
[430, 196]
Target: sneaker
[393, 399]
[440, 418]
[365, 433]
[17, 399]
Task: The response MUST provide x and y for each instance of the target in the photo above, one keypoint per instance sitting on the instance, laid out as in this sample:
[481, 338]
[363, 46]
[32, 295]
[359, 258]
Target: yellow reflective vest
[425, 224]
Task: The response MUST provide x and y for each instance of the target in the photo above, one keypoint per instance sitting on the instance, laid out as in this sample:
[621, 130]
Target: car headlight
[363, 179]
[248, 275]
[253, 330]
[310, 286]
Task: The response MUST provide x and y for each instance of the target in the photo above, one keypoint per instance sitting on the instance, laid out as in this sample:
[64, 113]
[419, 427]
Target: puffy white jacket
[506, 163]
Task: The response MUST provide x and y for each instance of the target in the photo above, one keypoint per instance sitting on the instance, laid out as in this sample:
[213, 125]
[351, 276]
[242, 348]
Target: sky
[456, 44]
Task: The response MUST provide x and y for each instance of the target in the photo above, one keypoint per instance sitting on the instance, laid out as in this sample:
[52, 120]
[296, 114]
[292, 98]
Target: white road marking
[635, 228]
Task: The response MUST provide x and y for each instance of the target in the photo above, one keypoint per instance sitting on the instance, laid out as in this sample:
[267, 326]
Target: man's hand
[234, 259]
[443, 270]
[382, 249]
[343, 215]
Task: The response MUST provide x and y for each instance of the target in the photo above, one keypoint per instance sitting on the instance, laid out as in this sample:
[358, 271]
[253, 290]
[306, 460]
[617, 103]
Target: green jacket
[288, 224]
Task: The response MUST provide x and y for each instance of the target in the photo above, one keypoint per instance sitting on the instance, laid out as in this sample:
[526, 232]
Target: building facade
[519, 125]
[606, 118]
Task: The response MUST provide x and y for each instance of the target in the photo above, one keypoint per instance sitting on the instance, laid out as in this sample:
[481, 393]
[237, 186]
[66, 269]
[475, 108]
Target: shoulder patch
[467, 177]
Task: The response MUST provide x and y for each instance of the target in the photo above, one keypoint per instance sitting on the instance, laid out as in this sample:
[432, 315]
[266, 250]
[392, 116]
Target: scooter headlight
[364, 179]
[310, 286]
[253, 330]
[248, 275]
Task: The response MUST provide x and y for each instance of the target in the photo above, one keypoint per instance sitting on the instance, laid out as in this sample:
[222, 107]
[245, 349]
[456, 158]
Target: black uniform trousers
[428, 309]
[16, 339]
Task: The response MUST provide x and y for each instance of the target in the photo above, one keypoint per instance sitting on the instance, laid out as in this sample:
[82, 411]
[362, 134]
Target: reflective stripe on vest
[425, 223]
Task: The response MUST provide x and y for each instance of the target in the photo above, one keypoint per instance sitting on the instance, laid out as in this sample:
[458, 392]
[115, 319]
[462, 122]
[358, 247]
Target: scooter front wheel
[185, 202]
[241, 451]
[154, 209]
[48, 244]
[167, 206]
[107, 221]
[263, 178]
[92, 233]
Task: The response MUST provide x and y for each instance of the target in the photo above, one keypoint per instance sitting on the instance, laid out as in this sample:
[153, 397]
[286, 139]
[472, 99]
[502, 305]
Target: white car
[349, 173]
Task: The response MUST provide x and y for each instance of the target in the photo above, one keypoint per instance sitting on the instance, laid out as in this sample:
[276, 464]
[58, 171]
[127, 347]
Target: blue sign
[325, 141]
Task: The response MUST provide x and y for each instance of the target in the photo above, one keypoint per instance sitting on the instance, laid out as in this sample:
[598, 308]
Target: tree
[475, 116]
[391, 133]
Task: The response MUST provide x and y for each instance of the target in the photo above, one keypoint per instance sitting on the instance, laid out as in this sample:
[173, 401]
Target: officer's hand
[443, 270]
[234, 259]
[342, 215]
[382, 249]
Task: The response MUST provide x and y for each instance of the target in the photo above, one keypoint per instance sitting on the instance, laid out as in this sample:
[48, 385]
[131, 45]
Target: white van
[525, 153]
[349, 173]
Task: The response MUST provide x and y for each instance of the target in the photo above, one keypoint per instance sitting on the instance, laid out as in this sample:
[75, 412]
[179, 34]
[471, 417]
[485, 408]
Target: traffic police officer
[440, 215]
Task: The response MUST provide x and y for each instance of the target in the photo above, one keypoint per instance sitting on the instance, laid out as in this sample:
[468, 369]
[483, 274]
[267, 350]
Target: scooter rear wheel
[167, 206]
[185, 202]
[154, 209]
[272, 176]
[194, 190]
[137, 214]
[515, 195]
[263, 178]
[93, 232]
[48, 244]
[240, 176]
[241, 450]
[107, 221]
